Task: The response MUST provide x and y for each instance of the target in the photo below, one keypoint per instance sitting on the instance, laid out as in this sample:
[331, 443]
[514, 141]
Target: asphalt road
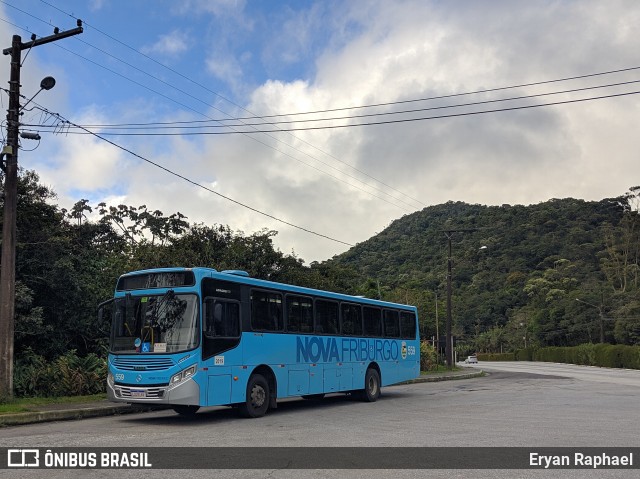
[516, 404]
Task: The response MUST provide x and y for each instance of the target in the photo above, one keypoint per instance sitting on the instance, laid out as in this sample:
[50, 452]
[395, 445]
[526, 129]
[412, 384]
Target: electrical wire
[387, 122]
[198, 124]
[265, 131]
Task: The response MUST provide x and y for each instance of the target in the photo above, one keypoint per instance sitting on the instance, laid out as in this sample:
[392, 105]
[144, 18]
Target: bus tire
[371, 391]
[187, 411]
[257, 398]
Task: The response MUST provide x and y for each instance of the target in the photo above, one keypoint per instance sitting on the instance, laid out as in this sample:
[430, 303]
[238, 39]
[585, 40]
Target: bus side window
[299, 314]
[266, 311]
[326, 317]
[222, 319]
[391, 324]
[407, 325]
[372, 321]
[351, 319]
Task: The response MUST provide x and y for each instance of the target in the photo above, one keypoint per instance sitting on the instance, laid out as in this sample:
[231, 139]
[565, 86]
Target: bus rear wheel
[187, 411]
[257, 399]
[371, 391]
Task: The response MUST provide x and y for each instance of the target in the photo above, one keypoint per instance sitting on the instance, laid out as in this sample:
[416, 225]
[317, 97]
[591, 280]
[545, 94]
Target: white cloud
[170, 44]
[382, 51]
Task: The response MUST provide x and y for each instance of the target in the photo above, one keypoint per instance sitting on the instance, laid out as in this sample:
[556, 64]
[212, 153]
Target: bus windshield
[163, 323]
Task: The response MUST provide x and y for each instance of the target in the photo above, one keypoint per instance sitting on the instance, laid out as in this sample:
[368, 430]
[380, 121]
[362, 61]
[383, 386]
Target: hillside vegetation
[559, 273]
[517, 277]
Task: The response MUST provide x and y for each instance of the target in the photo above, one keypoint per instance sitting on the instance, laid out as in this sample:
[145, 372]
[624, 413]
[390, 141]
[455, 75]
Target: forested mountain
[547, 274]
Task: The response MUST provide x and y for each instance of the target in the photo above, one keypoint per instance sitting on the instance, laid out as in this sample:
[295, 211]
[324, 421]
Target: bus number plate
[138, 393]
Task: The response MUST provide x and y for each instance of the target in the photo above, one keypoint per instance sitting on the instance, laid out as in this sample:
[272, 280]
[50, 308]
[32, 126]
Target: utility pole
[449, 339]
[10, 167]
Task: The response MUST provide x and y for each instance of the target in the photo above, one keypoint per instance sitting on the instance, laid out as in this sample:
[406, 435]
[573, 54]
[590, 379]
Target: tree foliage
[550, 274]
[559, 273]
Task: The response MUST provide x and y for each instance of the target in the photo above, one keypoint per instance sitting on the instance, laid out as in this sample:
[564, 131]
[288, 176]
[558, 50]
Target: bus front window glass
[156, 323]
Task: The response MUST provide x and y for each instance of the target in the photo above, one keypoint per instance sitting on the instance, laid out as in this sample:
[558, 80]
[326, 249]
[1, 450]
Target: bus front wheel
[257, 399]
[371, 391]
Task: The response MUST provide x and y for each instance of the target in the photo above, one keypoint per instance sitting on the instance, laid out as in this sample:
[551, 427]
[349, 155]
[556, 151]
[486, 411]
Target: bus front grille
[143, 364]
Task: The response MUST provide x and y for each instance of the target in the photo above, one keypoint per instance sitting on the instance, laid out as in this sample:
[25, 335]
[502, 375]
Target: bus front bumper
[187, 393]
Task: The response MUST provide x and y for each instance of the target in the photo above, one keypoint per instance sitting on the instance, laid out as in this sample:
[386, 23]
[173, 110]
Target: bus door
[220, 352]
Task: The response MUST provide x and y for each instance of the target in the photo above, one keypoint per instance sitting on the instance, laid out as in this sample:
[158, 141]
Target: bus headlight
[182, 375]
[110, 380]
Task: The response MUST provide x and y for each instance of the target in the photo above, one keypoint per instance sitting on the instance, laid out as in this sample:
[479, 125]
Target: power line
[194, 183]
[288, 130]
[200, 124]
[387, 122]
[438, 97]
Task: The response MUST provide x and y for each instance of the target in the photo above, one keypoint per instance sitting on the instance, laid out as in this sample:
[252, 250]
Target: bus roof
[242, 277]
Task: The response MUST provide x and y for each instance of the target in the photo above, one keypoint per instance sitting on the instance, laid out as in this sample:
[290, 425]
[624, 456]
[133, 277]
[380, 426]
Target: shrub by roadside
[603, 355]
[68, 375]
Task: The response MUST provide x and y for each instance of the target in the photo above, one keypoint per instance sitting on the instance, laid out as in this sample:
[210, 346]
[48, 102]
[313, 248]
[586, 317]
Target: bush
[526, 354]
[428, 357]
[496, 356]
[68, 375]
[603, 355]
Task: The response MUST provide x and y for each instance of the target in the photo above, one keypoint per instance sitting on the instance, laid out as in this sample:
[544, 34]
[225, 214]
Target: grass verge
[440, 369]
[17, 405]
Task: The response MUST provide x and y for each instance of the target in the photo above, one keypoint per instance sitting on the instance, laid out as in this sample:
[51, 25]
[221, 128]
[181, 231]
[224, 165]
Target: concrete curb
[22, 418]
[451, 377]
[19, 419]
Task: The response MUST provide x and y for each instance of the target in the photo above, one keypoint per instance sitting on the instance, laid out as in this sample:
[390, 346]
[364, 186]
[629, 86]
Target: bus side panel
[219, 389]
[298, 382]
[275, 350]
[219, 385]
[316, 379]
[409, 366]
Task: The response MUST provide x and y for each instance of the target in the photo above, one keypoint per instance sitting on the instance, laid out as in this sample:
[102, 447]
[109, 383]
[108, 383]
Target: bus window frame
[413, 334]
[357, 334]
[221, 300]
[384, 322]
[315, 316]
[280, 293]
[286, 312]
[364, 322]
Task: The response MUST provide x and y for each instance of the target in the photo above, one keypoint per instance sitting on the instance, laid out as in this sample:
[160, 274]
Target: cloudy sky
[220, 71]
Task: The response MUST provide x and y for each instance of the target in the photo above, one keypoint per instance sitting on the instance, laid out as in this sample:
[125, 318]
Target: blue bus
[195, 337]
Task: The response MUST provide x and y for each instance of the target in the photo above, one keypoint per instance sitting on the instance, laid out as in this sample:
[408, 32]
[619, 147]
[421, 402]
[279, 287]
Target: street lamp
[47, 83]
[449, 341]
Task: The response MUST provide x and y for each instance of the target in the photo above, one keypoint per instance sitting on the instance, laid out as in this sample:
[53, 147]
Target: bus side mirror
[101, 308]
